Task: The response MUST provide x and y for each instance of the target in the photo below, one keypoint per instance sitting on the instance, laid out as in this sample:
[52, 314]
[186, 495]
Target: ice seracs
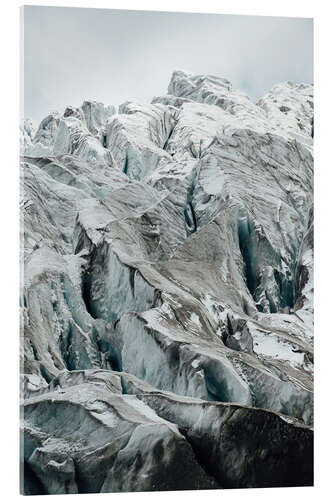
[168, 291]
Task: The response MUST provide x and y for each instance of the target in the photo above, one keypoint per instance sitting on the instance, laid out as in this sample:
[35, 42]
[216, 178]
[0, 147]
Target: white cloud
[113, 56]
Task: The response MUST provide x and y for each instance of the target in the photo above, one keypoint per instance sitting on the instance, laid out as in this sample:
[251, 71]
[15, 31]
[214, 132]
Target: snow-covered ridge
[168, 291]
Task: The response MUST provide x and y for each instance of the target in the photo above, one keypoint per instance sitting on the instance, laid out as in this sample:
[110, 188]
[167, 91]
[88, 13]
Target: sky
[112, 56]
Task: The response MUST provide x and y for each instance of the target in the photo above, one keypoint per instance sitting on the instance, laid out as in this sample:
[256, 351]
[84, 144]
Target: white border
[9, 33]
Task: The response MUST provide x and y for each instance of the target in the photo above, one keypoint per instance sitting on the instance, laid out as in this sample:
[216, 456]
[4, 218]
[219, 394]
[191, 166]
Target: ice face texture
[167, 296]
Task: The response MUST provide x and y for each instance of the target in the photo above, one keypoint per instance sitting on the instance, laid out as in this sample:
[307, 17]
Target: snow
[271, 345]
[195, 319]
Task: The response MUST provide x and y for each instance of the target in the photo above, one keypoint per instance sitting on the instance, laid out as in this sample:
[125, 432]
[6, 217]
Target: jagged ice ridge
[167, 302]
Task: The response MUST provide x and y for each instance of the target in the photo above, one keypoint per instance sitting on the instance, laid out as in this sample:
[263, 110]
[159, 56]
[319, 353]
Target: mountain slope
[167, 298]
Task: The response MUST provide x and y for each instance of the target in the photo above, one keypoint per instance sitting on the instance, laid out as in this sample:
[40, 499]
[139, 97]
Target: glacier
[167, 292]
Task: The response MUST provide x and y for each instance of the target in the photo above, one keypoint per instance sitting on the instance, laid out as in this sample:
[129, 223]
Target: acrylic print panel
[167, 293]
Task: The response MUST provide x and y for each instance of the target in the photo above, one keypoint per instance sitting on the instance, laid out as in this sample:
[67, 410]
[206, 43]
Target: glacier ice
[167, 295]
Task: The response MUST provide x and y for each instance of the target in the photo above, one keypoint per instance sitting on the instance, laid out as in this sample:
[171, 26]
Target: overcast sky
[73, 54]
